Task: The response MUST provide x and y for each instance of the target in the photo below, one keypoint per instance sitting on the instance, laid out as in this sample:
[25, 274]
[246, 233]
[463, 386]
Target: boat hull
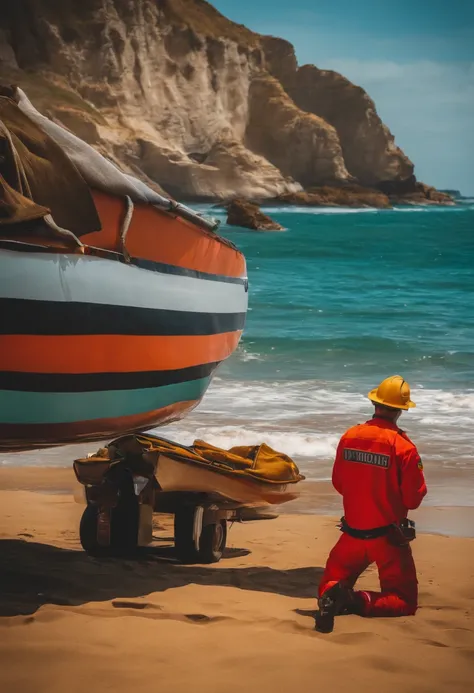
[92, 347]
[176, 476]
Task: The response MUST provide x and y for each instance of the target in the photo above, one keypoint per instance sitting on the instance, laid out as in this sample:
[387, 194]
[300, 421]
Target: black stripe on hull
[24, 316]
[163, 268]
[95, 382]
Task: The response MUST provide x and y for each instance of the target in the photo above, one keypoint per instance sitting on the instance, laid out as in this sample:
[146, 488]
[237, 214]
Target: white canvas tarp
[101, 174]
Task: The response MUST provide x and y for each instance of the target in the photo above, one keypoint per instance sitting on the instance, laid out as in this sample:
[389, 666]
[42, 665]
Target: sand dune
[71, 622]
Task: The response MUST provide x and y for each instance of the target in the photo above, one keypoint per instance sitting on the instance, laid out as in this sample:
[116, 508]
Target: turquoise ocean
[338, 301]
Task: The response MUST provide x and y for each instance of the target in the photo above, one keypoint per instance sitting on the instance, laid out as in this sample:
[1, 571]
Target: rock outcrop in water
[249, 216]
[175, 92]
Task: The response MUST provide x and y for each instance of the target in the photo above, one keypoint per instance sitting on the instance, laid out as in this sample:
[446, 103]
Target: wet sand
[316, 498]
[75, 623]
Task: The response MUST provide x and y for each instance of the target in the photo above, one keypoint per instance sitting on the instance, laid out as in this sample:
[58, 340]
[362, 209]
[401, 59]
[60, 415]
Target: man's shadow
[33, 574]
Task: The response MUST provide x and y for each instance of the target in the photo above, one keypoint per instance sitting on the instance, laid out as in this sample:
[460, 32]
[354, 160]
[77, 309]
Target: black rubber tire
[123, 526]
[185, 549]
[211, 542]
[88, 531]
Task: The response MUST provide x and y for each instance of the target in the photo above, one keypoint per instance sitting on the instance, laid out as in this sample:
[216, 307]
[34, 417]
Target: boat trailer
[122, 497]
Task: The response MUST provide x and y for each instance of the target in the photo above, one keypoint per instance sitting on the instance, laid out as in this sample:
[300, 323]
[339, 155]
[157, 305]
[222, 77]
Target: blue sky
[414, 57]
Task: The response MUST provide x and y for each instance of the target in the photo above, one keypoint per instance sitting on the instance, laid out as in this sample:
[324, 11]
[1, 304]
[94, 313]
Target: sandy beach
[68, 621]
[148, 150]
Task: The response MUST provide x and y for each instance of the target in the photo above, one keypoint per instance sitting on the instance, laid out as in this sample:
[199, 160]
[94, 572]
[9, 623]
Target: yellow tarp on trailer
[258, 461]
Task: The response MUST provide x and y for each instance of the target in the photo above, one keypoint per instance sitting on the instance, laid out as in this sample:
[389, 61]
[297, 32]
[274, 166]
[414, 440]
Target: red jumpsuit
[379, 474]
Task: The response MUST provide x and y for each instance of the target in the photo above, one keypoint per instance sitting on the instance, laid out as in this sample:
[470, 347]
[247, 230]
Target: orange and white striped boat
[122, 333]
[92, 346]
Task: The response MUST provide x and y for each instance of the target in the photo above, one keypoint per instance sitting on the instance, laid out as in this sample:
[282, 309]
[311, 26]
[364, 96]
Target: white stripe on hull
[85, 279]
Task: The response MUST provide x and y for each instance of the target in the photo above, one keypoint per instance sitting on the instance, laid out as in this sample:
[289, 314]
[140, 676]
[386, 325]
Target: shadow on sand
[34, 574]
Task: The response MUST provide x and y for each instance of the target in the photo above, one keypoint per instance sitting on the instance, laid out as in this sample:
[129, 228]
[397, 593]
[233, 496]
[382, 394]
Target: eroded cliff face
[174, 91]
[299, 143]
[368, 146]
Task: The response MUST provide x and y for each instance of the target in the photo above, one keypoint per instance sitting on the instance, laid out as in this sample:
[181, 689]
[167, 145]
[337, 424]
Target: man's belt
[374, 533]
[400, 533]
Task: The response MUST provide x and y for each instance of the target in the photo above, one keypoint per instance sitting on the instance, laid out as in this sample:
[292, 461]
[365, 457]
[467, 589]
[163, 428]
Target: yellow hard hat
[392, 392]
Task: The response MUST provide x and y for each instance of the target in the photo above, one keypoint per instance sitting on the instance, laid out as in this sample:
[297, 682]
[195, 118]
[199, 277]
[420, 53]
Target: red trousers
[397, 574]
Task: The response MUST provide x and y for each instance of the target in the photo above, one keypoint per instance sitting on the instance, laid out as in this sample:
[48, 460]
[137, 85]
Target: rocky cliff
[205, 108]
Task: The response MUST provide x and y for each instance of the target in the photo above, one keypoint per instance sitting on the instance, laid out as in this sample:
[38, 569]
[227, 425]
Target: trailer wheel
[88, 531]
[211, 543]
[124, 523]
[184, 545]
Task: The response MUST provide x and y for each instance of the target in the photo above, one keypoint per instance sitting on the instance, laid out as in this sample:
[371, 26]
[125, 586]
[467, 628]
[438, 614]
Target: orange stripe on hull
[111, 353]
[158, 236]
[17, 437]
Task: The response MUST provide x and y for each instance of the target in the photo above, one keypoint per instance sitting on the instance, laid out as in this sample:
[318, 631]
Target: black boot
[335, 601]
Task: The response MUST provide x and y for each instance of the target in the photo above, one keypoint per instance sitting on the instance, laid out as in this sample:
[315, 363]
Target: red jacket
[379, 474]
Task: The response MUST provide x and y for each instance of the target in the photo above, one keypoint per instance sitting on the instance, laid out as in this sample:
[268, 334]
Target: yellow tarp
[257, 461]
